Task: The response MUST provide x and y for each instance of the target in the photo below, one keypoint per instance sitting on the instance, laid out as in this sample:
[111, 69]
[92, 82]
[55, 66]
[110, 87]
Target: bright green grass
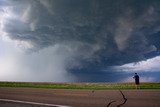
[96, 86]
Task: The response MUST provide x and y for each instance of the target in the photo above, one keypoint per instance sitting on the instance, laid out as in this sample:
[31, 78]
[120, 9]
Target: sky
[79, 40]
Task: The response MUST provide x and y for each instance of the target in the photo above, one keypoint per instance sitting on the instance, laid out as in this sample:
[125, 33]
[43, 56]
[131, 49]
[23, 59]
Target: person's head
[135, 73]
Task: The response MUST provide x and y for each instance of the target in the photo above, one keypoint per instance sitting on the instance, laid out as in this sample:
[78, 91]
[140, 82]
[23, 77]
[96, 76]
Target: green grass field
[90, 86]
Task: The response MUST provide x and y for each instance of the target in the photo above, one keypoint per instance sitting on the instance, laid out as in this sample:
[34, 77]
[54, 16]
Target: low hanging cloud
[91, 34]
[150, 65]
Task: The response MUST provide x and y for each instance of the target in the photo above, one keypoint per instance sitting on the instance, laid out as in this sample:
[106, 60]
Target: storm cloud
[91, 35]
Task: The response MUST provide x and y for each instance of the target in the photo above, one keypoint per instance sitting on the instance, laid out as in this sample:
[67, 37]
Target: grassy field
[95, 86]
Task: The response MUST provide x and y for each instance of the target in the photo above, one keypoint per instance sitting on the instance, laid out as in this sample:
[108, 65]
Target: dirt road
[37, 97]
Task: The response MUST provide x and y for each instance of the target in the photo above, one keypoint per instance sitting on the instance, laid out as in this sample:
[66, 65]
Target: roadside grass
[89, 86]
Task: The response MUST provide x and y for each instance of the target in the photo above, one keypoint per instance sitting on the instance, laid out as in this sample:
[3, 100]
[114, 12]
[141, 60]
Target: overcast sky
[79, 40]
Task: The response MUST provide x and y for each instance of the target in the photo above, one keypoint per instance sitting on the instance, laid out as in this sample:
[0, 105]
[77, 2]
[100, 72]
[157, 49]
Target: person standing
[136, 77]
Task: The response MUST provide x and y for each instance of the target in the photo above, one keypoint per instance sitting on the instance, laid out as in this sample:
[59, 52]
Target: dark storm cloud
[98, 33]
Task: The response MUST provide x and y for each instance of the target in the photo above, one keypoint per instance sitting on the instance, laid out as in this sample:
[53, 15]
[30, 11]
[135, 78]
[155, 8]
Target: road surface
[37, 97]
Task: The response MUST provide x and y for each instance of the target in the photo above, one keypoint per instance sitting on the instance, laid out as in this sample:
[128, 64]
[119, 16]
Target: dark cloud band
[99, 33]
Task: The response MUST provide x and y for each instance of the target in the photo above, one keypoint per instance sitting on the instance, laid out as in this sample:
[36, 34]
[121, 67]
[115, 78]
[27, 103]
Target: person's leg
[136, 86]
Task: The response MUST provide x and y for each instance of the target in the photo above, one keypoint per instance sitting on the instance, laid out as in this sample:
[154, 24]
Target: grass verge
[95, 86]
